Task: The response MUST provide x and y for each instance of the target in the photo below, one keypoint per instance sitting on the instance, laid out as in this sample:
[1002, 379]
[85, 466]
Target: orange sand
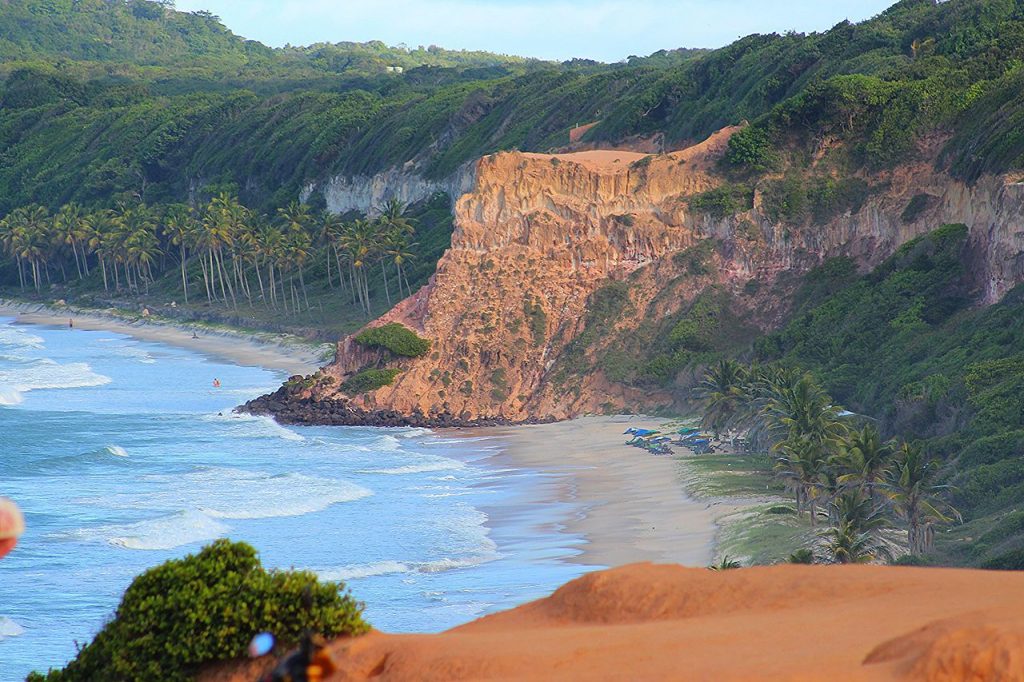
[665, 622]
[603, 160]
[699, 157]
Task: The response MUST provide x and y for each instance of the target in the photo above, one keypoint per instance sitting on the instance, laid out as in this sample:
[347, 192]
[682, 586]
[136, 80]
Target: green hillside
[101, 99]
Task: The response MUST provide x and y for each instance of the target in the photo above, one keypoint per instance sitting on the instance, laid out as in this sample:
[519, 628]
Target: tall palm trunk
[341, 273]
[184, 278]
[206, 279]
[387, 294]
[302, 282]
[259, 277]
[78, 266]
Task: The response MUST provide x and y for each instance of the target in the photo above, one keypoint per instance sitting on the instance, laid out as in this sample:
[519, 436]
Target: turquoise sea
[122, 455]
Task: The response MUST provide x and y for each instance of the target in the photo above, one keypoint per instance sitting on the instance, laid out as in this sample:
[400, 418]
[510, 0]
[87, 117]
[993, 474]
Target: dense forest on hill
[103, 100]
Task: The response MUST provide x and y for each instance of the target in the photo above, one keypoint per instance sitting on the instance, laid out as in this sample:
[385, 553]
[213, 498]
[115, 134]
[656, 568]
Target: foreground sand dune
[666, 622]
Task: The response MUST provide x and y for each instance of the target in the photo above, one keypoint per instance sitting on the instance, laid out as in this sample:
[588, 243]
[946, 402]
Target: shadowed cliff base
[289, 407]
[666, 622]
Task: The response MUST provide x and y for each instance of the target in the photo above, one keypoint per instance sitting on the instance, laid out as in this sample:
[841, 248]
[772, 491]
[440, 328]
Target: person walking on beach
[71, 323]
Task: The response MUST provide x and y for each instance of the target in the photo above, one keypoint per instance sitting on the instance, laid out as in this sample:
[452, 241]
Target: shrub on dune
[203, 608]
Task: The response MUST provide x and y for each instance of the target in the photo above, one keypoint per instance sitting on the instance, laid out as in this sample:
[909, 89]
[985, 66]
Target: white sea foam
[376, 568]
[116, 451]
[355, 571]
[386, 444]
[415, 432]
[161, 533]
[461, 493]
[167, 532]
[254, 425]
[226, 493]
[131, 352]
[10, 628]
[423, 465]
[14, 337]
[10, 397]
[448, 564]
[47, 374]
[460, 441]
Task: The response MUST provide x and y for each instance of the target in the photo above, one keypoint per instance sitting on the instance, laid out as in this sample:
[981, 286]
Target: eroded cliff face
[406, 183]
[538, 234]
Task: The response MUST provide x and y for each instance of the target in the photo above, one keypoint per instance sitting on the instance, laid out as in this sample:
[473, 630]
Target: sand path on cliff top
[697, 157]
[665, 622]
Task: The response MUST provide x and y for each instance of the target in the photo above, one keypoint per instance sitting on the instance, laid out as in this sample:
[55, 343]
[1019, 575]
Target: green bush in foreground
[206, 607]
[369, 380]
[396, 338]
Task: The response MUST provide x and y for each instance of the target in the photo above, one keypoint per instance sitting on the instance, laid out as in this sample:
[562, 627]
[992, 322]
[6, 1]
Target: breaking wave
[10, 628]
[162, 533]
[226, 493]
[428, 465]
[47, 374]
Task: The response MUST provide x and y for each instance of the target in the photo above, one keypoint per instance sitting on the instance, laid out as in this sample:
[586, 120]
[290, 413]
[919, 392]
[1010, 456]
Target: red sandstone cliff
[538, 234]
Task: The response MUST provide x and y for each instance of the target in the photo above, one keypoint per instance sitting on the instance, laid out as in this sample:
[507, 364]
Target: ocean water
[122, 455]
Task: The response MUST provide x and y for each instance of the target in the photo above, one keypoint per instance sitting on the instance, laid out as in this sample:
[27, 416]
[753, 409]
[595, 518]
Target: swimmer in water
[216, 383]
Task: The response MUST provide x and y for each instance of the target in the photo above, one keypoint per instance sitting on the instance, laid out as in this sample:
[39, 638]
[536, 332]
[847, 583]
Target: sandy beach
[633, 504]
[270, 351]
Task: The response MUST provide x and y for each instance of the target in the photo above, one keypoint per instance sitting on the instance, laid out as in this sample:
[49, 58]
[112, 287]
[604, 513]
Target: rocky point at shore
[287, 407]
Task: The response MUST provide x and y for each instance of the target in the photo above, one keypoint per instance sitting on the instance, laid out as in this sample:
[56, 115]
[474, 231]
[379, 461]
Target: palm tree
[327, 227]
[67, 225]
[863, 456]
[845, 546]
[392, 217]
[722, 390]
[294, 217]
[396, 228]
[297, 246]
[397, 248]
[220, 226]
[141, 246]
[912, 489]
[855, 536]
[802, 463]
[270, 247]
[99, 225]
[12, 236]
[358, 241]
[179, 229]
[805, 411]
[726, 564]
[32, 239]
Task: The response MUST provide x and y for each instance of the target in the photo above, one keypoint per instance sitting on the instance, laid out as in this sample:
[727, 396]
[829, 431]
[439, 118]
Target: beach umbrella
[12, 525]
